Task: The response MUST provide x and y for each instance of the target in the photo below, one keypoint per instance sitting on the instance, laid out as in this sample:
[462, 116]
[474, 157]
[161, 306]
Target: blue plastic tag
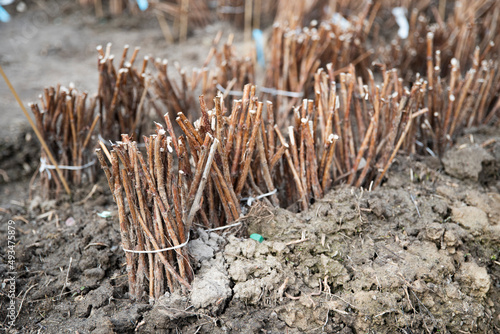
[259, 42]
[143, 4]
[4, 16]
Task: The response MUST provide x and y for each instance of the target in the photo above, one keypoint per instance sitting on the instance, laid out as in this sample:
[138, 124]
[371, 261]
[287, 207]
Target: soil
[421, 254]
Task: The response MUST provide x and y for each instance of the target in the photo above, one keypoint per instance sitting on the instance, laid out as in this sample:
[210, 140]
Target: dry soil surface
[421, 254]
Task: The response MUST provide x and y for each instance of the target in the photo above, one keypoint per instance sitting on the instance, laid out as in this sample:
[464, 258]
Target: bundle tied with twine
[66, 120]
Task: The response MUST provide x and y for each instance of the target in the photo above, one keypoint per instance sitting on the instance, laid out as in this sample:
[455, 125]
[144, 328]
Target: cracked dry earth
[418, 255]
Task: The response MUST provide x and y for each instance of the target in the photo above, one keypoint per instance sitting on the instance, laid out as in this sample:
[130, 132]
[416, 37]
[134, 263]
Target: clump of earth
[419, 254]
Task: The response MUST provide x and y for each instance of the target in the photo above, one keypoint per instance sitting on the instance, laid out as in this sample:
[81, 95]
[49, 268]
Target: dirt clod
[470, 162]
[470, 217]
[211, 285]
[474, 278]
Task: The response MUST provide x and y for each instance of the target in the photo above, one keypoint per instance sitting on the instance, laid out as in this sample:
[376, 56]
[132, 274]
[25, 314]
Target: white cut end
[197, 124]
[292, 137]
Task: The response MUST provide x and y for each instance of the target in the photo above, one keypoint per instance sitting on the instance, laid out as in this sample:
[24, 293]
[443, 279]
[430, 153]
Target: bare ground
[421, 254]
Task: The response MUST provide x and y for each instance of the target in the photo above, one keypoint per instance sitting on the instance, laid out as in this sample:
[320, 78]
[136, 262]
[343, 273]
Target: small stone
[70, 222]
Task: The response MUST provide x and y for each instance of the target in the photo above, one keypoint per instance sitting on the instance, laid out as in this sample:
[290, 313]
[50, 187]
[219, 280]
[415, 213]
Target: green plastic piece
[104, 214]
[257, 237]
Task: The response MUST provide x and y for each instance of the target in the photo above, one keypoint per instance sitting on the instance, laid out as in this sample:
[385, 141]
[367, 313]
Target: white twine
[231, 92]
[231, 9]
[223, 227]
[105, 141]
[158, 250]
[46, 167]
[274, 91]
[250, 200]
[265, 90]
[181, 245]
